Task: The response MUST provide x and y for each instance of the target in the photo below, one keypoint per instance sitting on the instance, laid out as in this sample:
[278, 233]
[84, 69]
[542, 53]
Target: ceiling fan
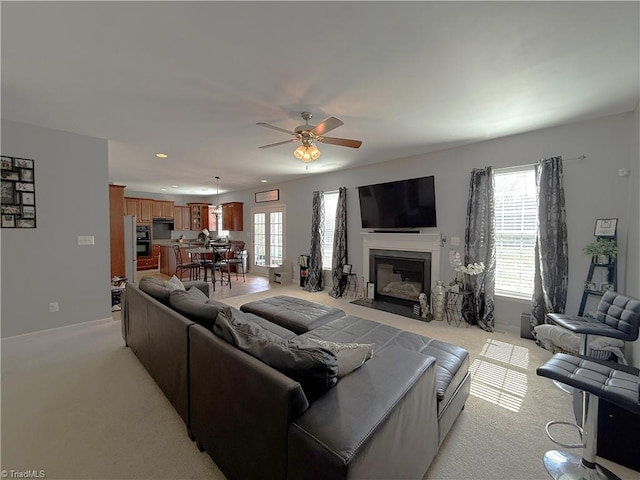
[308, 135]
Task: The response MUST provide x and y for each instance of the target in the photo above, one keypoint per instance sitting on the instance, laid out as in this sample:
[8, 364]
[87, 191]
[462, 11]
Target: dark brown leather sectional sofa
[386, 419]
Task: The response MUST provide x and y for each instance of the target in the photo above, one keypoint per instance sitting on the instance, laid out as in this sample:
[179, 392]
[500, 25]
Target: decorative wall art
[17, 195]
[606, 227]
[268, 196]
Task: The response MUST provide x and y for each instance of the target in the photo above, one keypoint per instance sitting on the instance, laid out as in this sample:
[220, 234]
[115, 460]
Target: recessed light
[174, 186]
[163, 189]
[263, 181]
[161, 155]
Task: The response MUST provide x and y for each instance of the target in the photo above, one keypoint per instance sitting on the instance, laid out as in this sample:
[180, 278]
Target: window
[329, 216]
[516, 218]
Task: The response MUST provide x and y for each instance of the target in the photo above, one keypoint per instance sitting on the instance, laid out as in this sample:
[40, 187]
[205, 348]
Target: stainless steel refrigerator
[130, 240]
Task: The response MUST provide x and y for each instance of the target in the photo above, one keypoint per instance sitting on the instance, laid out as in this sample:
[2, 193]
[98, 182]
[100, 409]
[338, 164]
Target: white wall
[593, 190]
[46, 264]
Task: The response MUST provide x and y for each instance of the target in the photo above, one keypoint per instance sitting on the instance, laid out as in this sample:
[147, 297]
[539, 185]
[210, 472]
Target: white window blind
[330, 207]
[516, 220]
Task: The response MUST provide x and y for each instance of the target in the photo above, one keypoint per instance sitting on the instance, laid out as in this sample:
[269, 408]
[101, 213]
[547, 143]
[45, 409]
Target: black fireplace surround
[400, 276]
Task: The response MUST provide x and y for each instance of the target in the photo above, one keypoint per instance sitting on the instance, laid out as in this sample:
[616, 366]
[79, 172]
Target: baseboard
[49, 330]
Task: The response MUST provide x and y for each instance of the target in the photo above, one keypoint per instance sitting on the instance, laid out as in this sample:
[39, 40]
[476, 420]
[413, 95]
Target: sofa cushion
[351, 356]
[452, 361]
[194, 305]
[295, 314]
[314, 367]
[156, 288]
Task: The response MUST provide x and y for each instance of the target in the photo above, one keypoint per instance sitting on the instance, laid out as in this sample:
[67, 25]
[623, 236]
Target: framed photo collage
[18, 193]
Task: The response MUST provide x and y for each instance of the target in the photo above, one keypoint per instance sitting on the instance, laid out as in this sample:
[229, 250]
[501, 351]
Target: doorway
[268, 233]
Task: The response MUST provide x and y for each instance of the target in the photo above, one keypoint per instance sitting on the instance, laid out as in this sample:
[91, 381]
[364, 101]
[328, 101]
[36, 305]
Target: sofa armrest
[352, 431]
[240, 408]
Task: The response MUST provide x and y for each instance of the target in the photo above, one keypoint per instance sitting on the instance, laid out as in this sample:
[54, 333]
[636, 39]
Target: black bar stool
[597, 379]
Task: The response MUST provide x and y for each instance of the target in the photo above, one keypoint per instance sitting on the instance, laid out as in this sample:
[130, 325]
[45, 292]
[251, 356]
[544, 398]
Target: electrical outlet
[53, 307]
[455, 241]
[86, 240]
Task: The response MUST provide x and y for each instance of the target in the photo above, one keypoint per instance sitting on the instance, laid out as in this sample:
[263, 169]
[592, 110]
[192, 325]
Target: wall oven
[143, 241]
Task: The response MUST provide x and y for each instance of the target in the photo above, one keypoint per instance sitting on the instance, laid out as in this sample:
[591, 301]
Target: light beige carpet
[77, 404]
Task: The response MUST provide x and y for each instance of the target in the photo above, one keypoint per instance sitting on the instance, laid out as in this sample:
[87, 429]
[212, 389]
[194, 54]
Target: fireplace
[400, 264]
[400, 276]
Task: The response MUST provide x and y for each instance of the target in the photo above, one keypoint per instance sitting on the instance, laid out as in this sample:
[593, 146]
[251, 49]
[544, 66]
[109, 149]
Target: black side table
[453, 309]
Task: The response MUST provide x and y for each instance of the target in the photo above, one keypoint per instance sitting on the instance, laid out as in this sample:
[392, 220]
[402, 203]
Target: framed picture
[6, 163]
[11, 209]
[8, 221]
[371, 291]
[8, 193]
[606, 227]
[591, 286]
[28, 211]
[28, 198]
[346, 269]
[23, 163]
[10, 175]
[26, 223]
[26, 175]
[17, 193]
[268, 196]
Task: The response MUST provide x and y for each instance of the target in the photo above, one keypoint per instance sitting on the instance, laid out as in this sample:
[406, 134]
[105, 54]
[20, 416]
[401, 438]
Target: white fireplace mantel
[409, 242]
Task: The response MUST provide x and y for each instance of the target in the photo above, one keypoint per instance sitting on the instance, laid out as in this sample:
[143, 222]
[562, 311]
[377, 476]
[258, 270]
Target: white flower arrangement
[461, 269]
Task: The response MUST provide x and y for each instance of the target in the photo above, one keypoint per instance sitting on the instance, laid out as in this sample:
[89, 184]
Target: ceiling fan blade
[262, 124]
[343, 142]
[279, 143]
[326, 126]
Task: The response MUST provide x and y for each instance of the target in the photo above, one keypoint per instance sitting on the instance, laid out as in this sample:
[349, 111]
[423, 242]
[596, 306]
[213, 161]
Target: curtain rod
[581, 157]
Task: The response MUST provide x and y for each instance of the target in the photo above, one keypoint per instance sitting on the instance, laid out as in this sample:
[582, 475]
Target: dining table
[209, 255]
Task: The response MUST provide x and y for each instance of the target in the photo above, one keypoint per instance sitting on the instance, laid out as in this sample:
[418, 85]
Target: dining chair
[221, 264]
[237, 263]
[181, 266]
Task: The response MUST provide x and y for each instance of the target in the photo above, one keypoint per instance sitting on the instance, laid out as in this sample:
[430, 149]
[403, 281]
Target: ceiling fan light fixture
[307, 153]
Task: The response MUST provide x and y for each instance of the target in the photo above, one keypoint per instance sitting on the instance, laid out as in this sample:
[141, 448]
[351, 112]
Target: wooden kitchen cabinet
[116, 229]
[156, 209]
[131, 207]
[145, 210]
[232, 216]
[181, 218]
[167, 210]
[162, 209]
[152, 262]
[202, 217]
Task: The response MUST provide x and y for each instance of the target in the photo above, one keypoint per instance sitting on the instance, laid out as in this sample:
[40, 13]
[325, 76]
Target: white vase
[438, 300]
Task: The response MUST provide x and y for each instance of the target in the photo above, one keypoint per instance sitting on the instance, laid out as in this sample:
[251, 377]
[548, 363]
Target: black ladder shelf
[594, 289]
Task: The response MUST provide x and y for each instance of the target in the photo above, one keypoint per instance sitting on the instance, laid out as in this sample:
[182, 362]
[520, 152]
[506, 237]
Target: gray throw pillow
[351, 356]
[194, 305]
[315, 368]
[156, 288]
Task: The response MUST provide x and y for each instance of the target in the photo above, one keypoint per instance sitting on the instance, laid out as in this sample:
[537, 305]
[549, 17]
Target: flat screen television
[399, 205]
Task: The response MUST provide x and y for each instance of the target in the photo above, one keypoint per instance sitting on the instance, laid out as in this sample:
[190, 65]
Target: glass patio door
[268, 227]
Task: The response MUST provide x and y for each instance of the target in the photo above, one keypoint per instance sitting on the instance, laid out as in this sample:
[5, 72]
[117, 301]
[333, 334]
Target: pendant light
[218, 209]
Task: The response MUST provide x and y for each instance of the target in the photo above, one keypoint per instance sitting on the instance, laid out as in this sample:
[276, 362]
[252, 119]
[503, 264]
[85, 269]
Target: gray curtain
[314, 272]
[551, 252]
[340, 244]
[480, 247]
